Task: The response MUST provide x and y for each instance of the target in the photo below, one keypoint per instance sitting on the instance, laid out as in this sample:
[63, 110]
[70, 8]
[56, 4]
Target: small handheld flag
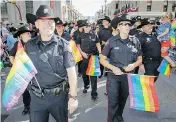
[164, 68]
[142, 93]
[93, 66]
[76, 53]
[18, 79]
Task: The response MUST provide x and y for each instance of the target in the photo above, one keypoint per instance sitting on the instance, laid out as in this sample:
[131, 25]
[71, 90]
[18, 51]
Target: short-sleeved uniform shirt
[122, 52]
[66, 36]
[49, 57]
[14, 49]
[161, 29]
[151, 47]
[105, 34]
[88, 42]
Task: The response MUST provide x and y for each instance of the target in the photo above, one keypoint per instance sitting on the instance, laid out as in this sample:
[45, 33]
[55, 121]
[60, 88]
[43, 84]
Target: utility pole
[105, 7]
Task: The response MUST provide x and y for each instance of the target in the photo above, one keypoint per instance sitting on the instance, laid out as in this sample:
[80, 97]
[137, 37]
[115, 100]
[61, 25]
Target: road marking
[89, 109]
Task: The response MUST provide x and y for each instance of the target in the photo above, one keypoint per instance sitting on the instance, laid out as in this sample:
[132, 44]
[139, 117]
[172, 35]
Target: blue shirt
[10, 41]
[161, 29]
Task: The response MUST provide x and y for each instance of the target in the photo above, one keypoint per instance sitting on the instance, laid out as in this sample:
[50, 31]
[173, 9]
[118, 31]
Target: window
[173, 7]
[29, 6]
[148, 7]
[117, 5]
[165, 8]
[4, 8]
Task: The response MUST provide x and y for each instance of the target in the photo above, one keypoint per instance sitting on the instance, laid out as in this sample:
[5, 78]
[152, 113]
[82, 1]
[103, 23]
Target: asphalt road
[90, 111]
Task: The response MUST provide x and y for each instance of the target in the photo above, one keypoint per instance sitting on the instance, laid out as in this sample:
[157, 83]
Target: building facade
[147, 8]
[15, 12]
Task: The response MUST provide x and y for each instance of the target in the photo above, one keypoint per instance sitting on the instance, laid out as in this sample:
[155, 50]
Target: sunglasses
[125, 24]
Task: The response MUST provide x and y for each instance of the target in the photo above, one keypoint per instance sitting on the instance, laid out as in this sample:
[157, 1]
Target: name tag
[116, 48]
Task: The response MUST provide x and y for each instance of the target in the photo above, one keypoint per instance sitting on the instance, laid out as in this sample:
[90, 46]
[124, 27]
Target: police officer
[88, 44]
[151, 48]
[104, 34]
[124, 55]
[115, 31]
[54, 61]
[60, 30]
[23, 34]
[76, 34]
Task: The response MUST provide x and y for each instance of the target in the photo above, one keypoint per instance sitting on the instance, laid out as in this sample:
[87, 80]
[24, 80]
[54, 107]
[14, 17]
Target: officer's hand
[129, 68]
[173, 65]
[72, 105]
[84, 55]
[117, 71]
[158, 37]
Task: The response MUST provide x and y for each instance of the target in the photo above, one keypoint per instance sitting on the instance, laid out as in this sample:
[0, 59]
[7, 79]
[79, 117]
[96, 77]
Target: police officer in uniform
[54, 62]
[124, 53]
[76, 34]
[23, 34]
[88, 44]
[104, 34]
[151, 48]
[60, 30]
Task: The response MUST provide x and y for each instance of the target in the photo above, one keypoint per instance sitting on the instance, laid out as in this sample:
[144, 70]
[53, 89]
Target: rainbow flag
[142, 93]
[164, 68]
[93, 68]
[76, 53]
[172, 33]
[18, 78]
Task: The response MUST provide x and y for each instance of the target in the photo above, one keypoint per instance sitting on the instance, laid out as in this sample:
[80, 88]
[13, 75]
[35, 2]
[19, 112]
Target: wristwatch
[73, 97]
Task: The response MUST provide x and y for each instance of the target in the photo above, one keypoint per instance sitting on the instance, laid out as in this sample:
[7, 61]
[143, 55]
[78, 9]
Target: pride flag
[164, 68]
[172, 33]
[93, 66]
[76, 53]
[142, 93]
[18, 79]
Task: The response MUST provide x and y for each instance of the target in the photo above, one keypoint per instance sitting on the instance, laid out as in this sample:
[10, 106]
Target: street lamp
[14, 3]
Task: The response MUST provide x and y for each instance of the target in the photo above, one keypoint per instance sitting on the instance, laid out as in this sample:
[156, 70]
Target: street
[90, 111]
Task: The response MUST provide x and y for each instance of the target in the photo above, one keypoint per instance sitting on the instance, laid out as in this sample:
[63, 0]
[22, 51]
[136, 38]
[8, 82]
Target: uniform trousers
[117, 91]
[87, 79]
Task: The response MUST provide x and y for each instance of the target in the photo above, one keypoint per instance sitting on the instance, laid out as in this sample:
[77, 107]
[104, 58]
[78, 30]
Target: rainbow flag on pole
[93, 66]
[142, 93]
[164, 68]
[76, 53]
[18, 79]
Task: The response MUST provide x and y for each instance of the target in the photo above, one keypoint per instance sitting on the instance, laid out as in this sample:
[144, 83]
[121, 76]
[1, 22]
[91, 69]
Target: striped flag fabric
[18, 78]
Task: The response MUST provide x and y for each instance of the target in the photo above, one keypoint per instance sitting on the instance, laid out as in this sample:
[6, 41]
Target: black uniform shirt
[150, 45]
[76, 35]
[88, 42]
[122, 52]
[50, 59]
[66, 36]
[14, 49]
[105, 34]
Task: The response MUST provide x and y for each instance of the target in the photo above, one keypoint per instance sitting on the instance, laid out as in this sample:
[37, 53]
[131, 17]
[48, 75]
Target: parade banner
[18, 78]
[76, 53]
[93, 67]
[142, 93]
[164, 68]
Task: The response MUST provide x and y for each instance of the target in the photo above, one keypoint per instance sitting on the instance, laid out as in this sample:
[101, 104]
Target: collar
[122, 40]
[53, 39]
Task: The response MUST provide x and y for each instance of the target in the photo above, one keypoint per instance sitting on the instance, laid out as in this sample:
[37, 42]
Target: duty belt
[153, 58]
[55, 90]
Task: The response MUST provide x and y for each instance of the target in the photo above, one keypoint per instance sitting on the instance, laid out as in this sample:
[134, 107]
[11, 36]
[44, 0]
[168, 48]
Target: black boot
[120, 119]
[26, 111]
